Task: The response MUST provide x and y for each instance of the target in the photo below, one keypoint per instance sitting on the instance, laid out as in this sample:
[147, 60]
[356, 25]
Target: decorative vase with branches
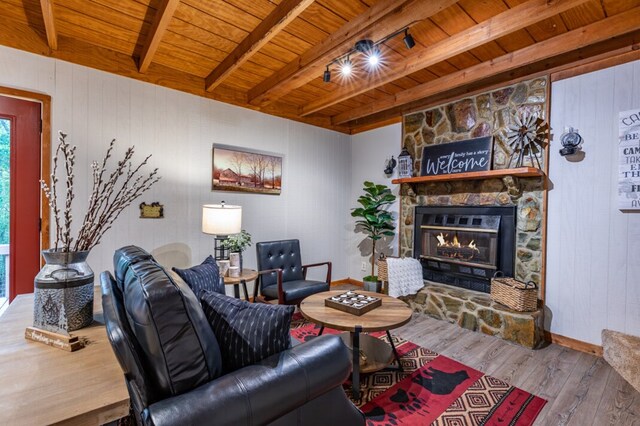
[111, 193]
[63, 296]
[376, 221]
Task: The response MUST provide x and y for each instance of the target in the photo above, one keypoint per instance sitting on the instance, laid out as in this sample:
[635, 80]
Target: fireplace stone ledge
[477, 312]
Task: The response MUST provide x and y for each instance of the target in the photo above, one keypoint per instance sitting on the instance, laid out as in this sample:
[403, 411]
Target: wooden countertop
[41, 385]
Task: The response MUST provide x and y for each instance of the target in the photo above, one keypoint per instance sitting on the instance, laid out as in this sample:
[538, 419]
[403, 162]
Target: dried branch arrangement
[111, 193]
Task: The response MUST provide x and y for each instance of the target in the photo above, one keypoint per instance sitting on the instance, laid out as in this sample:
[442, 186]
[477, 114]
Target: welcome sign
[471, 155]
[629, 156]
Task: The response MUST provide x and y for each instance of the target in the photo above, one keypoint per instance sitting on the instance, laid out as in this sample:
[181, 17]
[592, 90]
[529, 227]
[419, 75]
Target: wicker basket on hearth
[383, 271]
[517, 295]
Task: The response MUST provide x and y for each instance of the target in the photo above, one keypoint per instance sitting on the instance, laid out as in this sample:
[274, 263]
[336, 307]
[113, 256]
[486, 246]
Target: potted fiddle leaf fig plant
[375, 221]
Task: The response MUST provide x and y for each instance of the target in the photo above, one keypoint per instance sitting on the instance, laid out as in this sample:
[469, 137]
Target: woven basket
[517, 295]
[383, 271]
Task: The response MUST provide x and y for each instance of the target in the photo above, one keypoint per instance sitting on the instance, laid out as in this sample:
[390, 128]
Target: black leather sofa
[166, 349]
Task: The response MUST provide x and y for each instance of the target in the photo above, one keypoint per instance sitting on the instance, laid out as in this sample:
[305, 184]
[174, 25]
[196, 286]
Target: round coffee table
[369, 353]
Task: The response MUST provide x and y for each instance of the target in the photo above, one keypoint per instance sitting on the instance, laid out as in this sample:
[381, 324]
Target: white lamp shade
[221, 219]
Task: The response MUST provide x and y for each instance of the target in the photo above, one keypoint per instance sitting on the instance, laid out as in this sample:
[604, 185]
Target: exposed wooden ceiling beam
[277, 20]
[380, 20]
[160, 23]
[561, 44]
[627, 44]
[49, 23]
[507, 22]
[375, 125]
[21, 36]
[609, 59]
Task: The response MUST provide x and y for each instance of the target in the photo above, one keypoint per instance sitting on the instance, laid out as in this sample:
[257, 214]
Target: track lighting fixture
[327, 75]
[408, 39]
[370, 51]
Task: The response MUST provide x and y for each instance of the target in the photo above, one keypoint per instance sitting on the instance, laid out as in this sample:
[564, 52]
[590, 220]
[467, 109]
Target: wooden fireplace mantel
[521, 172]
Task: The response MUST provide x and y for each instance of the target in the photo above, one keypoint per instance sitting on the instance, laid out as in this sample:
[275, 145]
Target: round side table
[247, 275]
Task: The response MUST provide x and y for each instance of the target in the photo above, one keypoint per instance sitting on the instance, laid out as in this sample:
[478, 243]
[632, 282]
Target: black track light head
[327, 75]
[408, 40]
[364, 46]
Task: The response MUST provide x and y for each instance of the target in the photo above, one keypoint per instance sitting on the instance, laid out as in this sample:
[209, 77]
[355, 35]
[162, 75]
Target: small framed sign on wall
[629, 160]
[471, 155]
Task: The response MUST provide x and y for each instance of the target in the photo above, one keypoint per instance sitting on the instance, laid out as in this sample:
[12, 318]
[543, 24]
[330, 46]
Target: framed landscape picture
[241, 170]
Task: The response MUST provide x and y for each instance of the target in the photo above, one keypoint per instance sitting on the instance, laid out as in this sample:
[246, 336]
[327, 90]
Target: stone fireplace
[464, 246]
[458, 264]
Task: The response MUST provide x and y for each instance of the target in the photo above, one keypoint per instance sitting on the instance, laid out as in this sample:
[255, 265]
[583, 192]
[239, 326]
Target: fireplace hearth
[464, 246]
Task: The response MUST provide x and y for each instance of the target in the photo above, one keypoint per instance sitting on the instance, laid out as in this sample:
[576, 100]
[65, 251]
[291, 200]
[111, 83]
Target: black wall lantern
[571, 142]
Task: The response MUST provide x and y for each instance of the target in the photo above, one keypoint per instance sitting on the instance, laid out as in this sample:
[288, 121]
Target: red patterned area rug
[433, 390]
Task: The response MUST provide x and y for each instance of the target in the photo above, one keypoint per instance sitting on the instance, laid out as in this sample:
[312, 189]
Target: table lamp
[221, 220]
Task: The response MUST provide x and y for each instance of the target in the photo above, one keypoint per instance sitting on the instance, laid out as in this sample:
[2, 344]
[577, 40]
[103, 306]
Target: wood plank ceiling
[270, 55]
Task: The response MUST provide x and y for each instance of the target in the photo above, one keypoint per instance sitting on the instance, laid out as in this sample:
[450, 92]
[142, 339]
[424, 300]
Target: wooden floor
[581, 389]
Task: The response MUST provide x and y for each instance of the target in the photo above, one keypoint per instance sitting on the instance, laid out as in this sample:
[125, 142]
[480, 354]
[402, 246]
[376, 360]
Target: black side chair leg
[256, 287]
[395, 352]
[321, 330]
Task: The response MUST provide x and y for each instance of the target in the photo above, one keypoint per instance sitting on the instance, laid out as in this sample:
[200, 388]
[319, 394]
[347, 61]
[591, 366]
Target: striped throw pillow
[246, 332]
[203, 277]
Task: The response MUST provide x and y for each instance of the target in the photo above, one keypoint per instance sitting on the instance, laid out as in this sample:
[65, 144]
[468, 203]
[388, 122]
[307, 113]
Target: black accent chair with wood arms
[171, 360]
[282, 276]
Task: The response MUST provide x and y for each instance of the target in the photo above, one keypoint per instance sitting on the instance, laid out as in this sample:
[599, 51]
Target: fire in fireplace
[454, 249]
[464, 246]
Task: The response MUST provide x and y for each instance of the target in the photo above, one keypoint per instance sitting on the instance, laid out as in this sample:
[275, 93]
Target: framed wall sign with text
[629, 160]
[471, 155]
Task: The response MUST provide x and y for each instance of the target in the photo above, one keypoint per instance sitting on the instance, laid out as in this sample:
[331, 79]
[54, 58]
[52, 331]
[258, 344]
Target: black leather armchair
[167, 351]
[282, 275]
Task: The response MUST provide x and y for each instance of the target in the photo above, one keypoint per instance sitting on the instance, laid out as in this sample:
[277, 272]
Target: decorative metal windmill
[527, 137]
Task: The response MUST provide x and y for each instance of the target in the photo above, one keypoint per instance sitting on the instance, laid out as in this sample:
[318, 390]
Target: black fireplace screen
[465, 246]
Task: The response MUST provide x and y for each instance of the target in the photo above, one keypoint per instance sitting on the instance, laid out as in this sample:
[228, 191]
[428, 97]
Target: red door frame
[25, 285]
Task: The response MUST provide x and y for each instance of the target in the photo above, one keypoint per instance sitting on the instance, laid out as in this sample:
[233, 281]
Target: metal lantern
[571, 142]
[405, 164]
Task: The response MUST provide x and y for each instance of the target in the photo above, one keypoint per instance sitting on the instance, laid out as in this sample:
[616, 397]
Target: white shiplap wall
[179, 130]
[593, 250]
